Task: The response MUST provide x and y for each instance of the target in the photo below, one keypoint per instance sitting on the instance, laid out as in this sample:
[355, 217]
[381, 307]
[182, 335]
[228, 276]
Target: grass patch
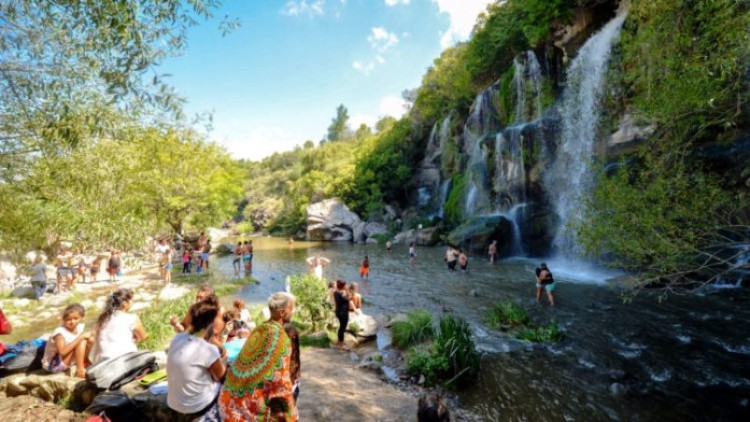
[416, 329]
[353, 328]
[507, 314]
[156, 320]
[321, 340]
[549, 333]
[451, 359]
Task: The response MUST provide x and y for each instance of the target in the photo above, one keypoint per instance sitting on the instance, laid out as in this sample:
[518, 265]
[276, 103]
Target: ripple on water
[661, 376]
[586, 364]
[684, 339]
[741, 349]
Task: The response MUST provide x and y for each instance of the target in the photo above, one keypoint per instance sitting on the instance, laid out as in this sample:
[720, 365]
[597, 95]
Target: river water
[686, 358]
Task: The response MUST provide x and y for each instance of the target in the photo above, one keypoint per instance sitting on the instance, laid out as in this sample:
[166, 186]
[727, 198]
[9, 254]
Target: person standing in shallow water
[544, 280]
[492, 251]
[316, 264]
[364, 268]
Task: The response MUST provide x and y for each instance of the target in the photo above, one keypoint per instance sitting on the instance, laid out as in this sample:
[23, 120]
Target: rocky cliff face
[517, 169]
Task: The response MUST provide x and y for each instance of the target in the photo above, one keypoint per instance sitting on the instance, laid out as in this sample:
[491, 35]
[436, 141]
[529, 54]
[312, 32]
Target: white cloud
[463, 15]
[392, 106]
[395, 2]
[356, 120]
[259, 142]
[362, 68]
[380, 59]
[381, 40]
[304, 7]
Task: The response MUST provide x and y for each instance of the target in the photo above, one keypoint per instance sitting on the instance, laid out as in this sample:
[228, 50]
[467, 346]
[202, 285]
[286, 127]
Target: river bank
[333, 386]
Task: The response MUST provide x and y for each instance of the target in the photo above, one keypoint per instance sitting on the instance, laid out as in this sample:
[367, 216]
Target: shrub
[549, 333]
[416, 329]
[155, 320]
[353, 328]
[451, 359]
[311, 299]
[507, 314]
[455, 346]
[420, 360]
[321, 340]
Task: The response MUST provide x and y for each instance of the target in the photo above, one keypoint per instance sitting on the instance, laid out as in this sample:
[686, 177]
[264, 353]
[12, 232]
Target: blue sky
[276, 81]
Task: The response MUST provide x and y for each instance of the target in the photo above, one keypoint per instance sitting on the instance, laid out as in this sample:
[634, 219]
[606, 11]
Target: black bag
[115, 372]
[116, 405]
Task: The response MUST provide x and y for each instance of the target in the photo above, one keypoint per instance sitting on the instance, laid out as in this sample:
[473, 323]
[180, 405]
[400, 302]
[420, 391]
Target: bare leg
[539, 295]
[551, 298]
[80, 357]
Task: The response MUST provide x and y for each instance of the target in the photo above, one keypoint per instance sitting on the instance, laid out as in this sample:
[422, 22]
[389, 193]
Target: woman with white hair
[258, 385]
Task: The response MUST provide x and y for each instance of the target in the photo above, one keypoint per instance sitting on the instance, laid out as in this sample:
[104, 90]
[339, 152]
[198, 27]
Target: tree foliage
[509, 28]
[384, 168]
[669, 216]
[338, 130]
[60, 61]
[446, 86]
[117, 192]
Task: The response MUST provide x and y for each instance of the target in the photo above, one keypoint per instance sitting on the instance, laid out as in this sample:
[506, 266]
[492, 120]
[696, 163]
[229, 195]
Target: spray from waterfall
[570, 179]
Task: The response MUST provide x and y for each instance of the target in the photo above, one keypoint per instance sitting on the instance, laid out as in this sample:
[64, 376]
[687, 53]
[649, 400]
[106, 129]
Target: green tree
[308, 144]
[363, 132]
[385, 123]
[338, 129]
[192, 181]
[446, 86]
[57, 58]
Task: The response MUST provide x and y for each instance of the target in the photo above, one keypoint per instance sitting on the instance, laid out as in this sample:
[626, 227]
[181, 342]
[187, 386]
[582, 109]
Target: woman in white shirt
[195, 364]
[118, 331]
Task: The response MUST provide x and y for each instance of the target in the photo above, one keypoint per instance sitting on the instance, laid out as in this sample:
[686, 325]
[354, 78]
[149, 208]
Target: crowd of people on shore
[204, 382]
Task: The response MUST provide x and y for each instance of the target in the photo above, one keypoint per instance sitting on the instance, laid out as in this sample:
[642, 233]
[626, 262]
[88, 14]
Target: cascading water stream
[570, 181]
[527, 80]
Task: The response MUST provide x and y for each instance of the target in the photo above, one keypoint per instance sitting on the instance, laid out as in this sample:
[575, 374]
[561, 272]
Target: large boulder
[404, 237]
[48, 387]
[375, 229]
[358, 232]
[225, 249]
[25, 291]
[368, 326]
[330, 220]
[476, 233]
[428, 237]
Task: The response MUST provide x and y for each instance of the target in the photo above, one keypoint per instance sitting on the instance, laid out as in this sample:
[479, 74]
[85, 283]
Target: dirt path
[27, 408]
[332, 389]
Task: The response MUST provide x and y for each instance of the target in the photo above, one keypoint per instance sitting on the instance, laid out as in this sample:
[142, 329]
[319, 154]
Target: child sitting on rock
[69, 344]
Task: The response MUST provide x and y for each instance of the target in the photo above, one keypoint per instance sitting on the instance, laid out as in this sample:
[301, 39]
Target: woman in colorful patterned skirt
[258, 385]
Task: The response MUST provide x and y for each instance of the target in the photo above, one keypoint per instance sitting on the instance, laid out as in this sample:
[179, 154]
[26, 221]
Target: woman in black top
[341, 299]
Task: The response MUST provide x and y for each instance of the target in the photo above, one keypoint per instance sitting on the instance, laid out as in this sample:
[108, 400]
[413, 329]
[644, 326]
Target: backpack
[114, 406]
[111, 374]
[22, 357]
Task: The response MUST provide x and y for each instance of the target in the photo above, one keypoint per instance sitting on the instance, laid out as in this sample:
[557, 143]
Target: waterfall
[569, 181]
[527, 81]
[444, 189]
